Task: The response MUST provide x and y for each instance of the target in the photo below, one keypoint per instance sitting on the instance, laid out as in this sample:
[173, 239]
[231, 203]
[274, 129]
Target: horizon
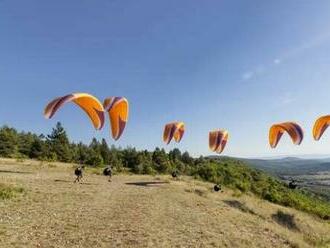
[270, 58]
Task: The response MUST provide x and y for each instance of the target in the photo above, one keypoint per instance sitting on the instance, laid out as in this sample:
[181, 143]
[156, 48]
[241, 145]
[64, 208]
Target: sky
[233, 64]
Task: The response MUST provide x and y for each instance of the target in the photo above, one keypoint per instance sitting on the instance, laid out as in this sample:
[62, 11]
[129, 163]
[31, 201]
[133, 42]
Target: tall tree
[38, 149]
[8, 142]
[105, 151]
[59, 143]
[175, 155]
[160, 160]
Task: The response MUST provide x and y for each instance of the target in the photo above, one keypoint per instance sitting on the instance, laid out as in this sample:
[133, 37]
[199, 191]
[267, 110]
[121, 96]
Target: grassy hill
[290, 165]
[311, 174]
[142, 211]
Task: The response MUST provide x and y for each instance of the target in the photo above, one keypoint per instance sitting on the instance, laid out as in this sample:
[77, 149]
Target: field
[141, 211]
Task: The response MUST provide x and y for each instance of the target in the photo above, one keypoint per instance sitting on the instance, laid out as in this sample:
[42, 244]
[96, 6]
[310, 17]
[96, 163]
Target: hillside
[291, 165]
[142, 211]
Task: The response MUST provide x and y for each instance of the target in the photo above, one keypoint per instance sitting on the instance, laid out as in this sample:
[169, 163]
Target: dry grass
[140, 211]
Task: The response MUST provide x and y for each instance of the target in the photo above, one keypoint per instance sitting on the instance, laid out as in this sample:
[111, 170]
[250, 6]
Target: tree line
[232, 173]
[56, 146]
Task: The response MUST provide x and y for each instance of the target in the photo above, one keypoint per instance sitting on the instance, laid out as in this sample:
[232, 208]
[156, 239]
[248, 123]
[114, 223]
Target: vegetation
[7, 192]
[226, 171]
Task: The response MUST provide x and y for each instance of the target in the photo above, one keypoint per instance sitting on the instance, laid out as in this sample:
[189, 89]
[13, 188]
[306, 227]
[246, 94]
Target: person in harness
[79, 173]
[108, 172]
[293, 184]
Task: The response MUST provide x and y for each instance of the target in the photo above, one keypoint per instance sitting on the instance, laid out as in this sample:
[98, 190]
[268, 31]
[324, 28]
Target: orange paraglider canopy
[90, 104]
[293, 129]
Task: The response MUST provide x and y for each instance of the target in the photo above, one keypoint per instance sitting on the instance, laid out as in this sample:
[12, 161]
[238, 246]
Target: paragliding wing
[218, 140]
[179, 131]
[90, 104]
[168, 133]
[293, 129]
[117, 108]
[320, 126]
[174, 129]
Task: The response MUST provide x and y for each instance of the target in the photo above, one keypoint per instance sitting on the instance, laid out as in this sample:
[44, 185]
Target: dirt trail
[140, 211]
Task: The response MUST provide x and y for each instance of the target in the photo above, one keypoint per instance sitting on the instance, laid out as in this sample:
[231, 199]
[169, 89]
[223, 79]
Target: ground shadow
[63, 181]
[66, 181]
[286, 220]
[147, 184]
[200, 192]
[240, 206]
[17, 172]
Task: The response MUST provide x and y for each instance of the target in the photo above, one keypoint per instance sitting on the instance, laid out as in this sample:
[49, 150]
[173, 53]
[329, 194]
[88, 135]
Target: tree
[187, 159]
[25, 141]
[59, 143]
[38, 149]
[130, 156]
[105, 151]
[95, 145]
[81, 153]
[161, 161]
[175, 155]
[115, 159]
[8, 142]
[94, 159]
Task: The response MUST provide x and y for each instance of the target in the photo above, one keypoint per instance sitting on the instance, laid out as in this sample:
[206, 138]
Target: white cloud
[277, 61]
[247, 75]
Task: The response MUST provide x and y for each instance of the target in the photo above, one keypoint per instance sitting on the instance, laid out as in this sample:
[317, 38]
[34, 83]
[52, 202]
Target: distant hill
[290, 165]
[286, 165]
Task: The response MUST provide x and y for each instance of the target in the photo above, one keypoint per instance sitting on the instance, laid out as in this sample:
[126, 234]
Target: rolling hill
[142, 211]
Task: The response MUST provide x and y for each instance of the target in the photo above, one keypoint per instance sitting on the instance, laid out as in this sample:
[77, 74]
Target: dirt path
[139, 211]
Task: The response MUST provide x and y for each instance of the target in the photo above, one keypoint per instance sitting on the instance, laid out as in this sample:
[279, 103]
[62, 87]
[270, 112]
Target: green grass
[237, 176]
[8, 192]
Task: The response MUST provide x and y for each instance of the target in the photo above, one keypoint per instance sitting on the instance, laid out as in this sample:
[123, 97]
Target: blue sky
[238, 65]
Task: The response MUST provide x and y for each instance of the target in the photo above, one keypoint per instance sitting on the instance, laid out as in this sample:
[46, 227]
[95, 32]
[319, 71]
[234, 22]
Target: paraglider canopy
[117, 108]
[173, 129]
[320, 126]
[90, 104]
[218, 140]
[293, 129]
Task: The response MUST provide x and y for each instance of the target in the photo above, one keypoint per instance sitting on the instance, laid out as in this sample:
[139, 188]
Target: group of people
[108, 172]
[79, 173]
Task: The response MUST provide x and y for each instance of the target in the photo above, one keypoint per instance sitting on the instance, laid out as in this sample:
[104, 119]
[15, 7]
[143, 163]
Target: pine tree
[25, 141]
[105, 151]
[59, 143]
[8, 142]
[161, 160]
[175, 155]
[38, 149]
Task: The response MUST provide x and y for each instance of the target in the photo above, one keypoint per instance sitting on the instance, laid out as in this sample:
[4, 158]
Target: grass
[241, 178]
[8, 192]
[131, 212]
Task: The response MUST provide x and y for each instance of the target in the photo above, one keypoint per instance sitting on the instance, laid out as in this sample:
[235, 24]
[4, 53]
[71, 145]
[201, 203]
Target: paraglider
[320, 126]
[90, 104]
[174, 129]
[292, 184]
[79, 173]
[218, 140]
[217, 187]
[108, 172]
[117, 108]
[293, 129]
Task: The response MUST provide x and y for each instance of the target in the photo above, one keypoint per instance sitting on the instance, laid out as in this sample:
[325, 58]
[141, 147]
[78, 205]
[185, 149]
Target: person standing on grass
[108, 172]
[79, 173]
